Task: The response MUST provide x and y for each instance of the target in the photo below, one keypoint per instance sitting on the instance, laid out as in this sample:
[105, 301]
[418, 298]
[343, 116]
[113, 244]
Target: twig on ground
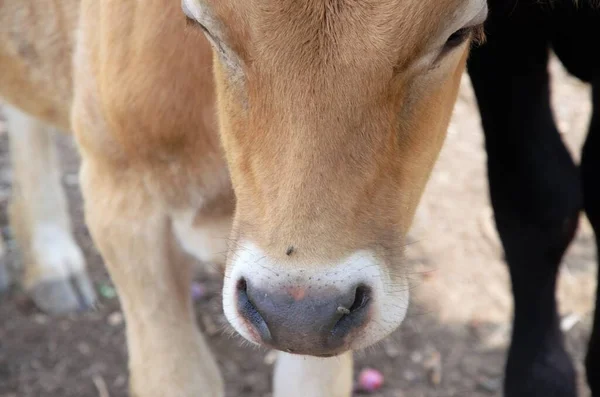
[100, 386]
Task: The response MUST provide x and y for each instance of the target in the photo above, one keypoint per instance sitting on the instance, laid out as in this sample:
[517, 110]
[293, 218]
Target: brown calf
[331, 114]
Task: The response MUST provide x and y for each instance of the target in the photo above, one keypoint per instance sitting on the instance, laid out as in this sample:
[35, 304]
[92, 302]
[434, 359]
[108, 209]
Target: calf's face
[332, 114]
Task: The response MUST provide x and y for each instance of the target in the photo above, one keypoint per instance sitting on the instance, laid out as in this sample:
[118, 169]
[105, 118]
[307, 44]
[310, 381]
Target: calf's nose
[303, 320]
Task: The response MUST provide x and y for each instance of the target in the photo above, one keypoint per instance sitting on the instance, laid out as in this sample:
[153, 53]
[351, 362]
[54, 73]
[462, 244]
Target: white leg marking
[54, 266]
[306, 376]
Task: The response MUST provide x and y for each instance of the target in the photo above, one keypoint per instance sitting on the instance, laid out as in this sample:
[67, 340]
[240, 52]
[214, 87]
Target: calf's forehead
[290, 29]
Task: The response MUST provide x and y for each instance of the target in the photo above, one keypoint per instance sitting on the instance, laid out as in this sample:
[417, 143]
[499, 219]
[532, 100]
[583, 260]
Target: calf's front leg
[168, 356]
[303, 376]
[54, 268]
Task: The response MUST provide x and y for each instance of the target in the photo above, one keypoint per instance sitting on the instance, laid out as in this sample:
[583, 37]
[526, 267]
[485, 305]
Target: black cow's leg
[590, 172]
[575, 32]
[536, 195]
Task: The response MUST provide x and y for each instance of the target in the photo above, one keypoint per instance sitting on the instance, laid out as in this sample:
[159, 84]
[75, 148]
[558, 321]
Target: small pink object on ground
[370, 380]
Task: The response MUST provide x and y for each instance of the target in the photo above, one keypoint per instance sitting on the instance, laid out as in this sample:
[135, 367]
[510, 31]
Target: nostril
[361, 299]
[242, 285]
[362, 296]
[248, 311]
[354, 316]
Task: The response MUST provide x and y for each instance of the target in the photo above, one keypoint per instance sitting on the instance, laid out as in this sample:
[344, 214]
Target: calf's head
[332, 114]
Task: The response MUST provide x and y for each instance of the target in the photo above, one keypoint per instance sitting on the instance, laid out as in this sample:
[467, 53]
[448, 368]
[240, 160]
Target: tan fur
[329, 127]
[345, 144]
[36, 47]
[37, 200]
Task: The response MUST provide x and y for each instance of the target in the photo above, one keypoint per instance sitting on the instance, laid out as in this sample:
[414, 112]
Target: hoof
[56, 297]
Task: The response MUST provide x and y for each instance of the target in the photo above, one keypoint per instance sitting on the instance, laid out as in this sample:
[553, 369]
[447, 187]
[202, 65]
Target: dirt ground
[452, 343]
